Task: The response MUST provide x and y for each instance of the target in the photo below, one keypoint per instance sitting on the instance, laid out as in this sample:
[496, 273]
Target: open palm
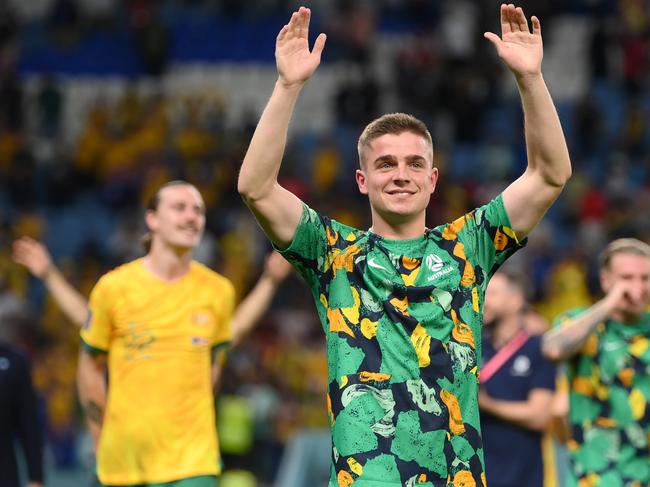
[521, 50]
[294, 60]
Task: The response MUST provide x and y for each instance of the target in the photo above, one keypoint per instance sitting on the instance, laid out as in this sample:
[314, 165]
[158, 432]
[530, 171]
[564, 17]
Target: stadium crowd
[72, 170]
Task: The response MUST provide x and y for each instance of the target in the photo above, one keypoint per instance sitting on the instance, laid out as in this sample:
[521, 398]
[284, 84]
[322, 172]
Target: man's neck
[167, 264]
[626, 318]
[506, 329]
[398, 231]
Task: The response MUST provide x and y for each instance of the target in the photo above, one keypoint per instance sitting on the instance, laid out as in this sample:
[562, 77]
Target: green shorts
[202, 481]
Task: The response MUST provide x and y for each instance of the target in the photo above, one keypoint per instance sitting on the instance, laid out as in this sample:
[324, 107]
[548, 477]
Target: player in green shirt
[400, 304]
[607, 349]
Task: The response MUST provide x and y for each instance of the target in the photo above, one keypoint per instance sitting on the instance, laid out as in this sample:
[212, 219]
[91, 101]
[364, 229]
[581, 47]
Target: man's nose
[191, 215]
[402, 173]
[637, 292]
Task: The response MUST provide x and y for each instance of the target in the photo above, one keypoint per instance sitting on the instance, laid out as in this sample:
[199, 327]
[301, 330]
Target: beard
[492, 321]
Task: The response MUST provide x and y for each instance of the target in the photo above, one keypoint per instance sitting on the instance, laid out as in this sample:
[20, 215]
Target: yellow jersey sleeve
[224, 309]
[96, 333]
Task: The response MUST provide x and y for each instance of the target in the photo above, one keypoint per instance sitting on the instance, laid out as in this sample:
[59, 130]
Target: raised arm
[253, 306]
[565, 341]
[91, 383]
[257, 301]
[278, 210]
[35, 257]
[549, 167]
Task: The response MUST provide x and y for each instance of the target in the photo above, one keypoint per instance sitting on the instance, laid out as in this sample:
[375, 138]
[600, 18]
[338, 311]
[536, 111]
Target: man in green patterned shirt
[607, 349]
[400, 304]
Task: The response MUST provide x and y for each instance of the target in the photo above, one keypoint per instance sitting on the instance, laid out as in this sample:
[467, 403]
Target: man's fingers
[319, 45]
[494, 39]
[283, 32]
[520, 18]
[25, 246]
[306, 17]
[505, 23]
[294, 27]
[537, 26]
[512, 18]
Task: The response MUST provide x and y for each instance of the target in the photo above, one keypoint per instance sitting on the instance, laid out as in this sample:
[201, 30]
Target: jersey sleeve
[222, 333]
[496, 240]
[487, 236]
[96, 332]
[308, 249]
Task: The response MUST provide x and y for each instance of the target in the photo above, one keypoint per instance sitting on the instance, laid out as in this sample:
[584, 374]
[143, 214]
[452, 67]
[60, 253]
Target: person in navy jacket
[517, 385]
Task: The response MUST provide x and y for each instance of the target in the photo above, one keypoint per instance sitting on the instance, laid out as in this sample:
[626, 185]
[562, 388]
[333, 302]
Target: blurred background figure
[92, 118]
[605, 347]
[20, 419]
[36, 258]
[517, 385]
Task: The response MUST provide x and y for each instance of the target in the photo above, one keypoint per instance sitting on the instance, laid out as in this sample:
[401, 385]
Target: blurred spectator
[11, 100]
[151, 37]
[49, 106]
[19, 417]
[604, 346]
[517, 386]
[351, 30]
[357, 101]
[64, 22]
[418, 74]
[9, 27]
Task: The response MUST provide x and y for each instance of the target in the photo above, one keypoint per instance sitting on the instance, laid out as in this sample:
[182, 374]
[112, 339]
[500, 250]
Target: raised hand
[520, 50]
[276, 267]
[625, 294]
[33, 255]
[294, 60]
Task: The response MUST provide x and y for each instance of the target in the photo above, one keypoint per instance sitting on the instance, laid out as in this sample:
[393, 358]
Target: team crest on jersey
[521, 366]
[434, 263]
[200, 318]
[437, 266]
[137, 341]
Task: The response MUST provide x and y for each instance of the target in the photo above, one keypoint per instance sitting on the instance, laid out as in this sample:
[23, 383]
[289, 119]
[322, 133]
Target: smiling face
[178, 220]
[398, 176]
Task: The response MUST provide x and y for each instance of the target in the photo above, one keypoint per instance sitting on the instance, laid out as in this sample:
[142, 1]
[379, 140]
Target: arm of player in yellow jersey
[256, 302]
[35, 257]
[253, 306]
[91, 383]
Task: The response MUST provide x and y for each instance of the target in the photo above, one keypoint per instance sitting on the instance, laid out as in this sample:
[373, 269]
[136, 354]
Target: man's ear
[605, 281]
[434, 179]
[360, 176]
[150, 220]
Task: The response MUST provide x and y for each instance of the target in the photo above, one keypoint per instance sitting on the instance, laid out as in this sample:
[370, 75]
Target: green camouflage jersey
[402, 320]
[609, 387]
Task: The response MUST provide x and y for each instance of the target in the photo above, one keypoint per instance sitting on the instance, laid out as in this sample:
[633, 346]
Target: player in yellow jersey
[154, 323]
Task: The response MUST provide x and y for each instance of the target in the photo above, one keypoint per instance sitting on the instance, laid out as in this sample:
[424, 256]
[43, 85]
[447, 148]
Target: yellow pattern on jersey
[159, 423]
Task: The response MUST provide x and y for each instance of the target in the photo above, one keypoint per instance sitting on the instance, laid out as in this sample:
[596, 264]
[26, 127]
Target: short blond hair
[392, 123]
[622, 246]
